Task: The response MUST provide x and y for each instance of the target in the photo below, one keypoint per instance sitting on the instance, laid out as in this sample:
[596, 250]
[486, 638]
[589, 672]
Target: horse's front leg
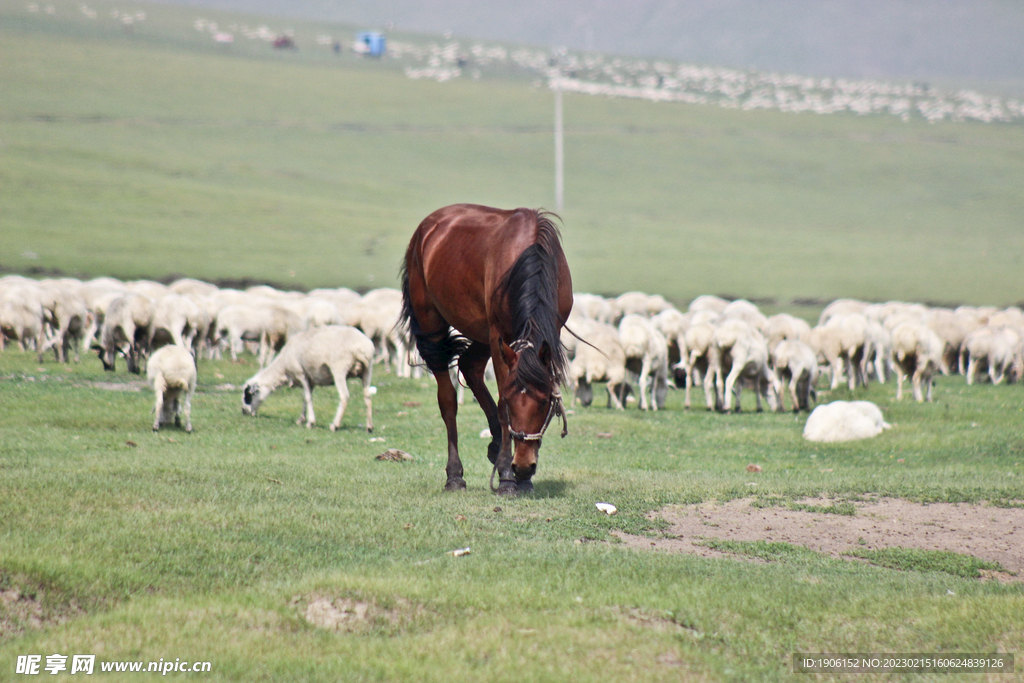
[473, 364]
[447, 401]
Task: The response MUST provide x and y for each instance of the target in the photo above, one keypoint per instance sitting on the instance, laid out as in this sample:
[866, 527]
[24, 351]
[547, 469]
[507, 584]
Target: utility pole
[559, 151]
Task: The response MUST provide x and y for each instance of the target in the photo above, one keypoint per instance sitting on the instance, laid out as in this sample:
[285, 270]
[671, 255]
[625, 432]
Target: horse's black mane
[530, 290]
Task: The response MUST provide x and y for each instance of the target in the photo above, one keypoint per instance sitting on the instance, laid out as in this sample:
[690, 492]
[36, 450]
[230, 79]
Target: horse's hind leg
[447, 401]
[473, 364]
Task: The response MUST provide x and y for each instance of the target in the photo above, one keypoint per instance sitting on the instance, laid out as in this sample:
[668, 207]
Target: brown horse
[500, 279]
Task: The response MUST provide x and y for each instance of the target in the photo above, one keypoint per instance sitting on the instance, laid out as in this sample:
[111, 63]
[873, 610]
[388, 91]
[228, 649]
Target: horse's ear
[545, 353]
[507, 353]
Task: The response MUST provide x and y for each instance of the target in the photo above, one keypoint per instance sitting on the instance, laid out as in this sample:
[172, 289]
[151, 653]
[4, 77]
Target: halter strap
[555, 408]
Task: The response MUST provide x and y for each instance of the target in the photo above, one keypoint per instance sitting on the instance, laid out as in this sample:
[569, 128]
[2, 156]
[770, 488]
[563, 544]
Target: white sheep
[991, 348]
[741, 309]
[917, 353]
[707, 302]
[126, 330]
[840, 342]
[176, 320]
[593, 307]
[377, 315]
[796, 365]
[21, 321]
[699, 339]
[318, 357]
[673, 325]
[841, 307]
[172, 372]
[646, 355]
[639, 303]
[66, 314]
[738, 353]
[784, 326]
[601, 359]
[845, 421]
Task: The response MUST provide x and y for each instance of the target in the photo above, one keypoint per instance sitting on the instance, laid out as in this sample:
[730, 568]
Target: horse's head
[530, 407]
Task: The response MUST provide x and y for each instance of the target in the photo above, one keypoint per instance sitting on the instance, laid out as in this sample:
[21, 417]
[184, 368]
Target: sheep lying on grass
[845, 421]
[172, 372]
[317, 357]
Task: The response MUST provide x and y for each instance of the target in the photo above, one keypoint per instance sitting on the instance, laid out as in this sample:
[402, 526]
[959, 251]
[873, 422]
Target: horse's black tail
[439, 354]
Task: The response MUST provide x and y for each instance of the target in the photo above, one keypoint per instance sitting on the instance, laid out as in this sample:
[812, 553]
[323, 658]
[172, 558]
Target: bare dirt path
[980, 530]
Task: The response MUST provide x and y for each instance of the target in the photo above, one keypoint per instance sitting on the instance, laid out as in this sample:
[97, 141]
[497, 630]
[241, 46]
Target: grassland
[156, 152]
[152, 153]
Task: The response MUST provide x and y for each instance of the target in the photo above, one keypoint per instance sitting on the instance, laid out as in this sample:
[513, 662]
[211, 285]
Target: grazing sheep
[741, 309]
[673, 325]
[738, 353]
[646, 355]
[317, 357]
[994, 348]
[916, 352]
[877, 349]
[21, 321]
[279, 325]
[188, 286]
[845, 421]
[601, 359]
[785, 326]
[840, 342]
[377, 315]
[639, 303]
[126, 330]
[841, 307]
[795, 363]
[593, 307]
[172, 372]
[66, 314]
[708, 302]
[237, 324]
[699, 339]
[176, 320]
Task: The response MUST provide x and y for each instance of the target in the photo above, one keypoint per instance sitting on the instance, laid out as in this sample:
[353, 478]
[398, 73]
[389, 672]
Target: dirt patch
[22, 611]
[355, 615]
[982, 531]
[138, 385]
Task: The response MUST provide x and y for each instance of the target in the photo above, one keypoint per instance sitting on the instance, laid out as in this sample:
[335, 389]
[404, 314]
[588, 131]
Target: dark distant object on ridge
[284, 42]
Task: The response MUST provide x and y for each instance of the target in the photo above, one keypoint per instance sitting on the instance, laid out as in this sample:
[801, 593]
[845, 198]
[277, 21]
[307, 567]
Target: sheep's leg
[340, 374]
[159, 386]
[307, 400]
[880, 367]
[710, 390]
[187, 410]
[916, 381]
[972, 367]
[688, 383]
[367, 378]
[645, 378]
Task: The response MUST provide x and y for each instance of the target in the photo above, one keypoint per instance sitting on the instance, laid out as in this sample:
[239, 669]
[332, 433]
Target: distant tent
[370, 43]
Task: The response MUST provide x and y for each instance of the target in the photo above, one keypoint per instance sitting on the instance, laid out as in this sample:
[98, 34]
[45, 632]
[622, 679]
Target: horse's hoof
[508, 488]
[458, 484]
[525, 486]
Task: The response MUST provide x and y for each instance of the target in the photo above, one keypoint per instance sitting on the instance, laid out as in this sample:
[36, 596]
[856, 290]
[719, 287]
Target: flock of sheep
[722, 346]
[328, 335]
[299, 339]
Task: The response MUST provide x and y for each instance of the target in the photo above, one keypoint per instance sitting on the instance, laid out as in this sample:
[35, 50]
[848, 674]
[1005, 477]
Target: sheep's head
[252, 396]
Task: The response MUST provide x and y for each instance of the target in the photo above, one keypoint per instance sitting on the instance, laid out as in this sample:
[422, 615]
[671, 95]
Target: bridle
[555, 407]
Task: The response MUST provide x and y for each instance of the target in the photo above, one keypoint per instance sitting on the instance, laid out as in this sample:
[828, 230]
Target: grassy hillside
[154, 152]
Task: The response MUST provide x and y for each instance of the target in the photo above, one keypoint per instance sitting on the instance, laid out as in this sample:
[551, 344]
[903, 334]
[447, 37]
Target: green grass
[152, 154]
[915, 559]
[156, 153]
[208, 546]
